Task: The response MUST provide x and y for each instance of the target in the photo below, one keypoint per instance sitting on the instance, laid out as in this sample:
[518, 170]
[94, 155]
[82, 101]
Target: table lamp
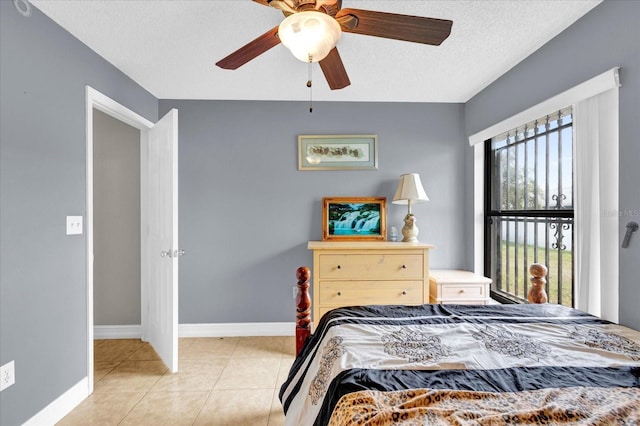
[410, 191]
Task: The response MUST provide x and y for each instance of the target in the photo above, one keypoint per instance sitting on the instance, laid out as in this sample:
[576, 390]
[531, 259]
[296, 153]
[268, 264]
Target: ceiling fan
[325, 20]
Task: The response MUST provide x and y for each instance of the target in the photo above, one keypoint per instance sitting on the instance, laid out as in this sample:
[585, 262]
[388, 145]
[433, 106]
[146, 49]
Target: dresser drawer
[463, 291]
[379, 266]
[343, 293]
[322, 311]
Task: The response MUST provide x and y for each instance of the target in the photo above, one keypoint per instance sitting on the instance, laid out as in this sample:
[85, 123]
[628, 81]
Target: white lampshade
[309, 35]
[410, 190]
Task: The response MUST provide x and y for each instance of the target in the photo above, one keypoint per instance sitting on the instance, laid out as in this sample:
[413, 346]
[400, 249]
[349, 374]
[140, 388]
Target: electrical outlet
[295, 292]
[7, 375]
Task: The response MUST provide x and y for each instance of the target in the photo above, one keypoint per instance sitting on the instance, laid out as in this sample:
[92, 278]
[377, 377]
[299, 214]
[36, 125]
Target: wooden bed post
[538, 280]
[303, 307]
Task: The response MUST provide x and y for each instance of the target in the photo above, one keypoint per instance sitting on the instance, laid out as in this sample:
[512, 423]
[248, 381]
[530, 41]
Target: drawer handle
[461, 291]
[339, 293]
[339, 267]
[404, 292]
[404, 266]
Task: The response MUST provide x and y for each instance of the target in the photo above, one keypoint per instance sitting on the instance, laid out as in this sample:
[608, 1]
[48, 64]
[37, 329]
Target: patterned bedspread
[455, 364]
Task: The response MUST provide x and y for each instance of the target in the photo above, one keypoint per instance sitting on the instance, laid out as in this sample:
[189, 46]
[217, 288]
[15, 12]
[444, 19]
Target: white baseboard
[117, 331]
[61, 406]
[238, 329]
[202, 330]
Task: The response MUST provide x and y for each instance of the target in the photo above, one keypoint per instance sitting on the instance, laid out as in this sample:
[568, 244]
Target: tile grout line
[144, 394]
[132, 408]
[195, 419]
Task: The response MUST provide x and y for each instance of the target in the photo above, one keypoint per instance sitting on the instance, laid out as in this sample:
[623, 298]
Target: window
[595, 240]
[529, 210]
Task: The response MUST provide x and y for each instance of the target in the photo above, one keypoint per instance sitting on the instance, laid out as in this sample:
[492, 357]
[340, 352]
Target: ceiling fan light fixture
[309, 35]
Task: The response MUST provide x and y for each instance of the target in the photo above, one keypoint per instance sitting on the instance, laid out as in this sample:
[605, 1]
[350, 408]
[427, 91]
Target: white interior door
[160, 240]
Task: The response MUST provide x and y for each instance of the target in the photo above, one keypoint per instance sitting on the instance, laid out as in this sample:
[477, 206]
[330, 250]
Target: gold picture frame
[354, 218]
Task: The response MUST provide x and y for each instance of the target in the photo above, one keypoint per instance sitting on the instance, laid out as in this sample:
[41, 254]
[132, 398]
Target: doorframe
[99, 101]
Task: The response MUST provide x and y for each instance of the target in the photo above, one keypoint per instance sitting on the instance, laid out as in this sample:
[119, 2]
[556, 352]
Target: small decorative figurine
[537, 293]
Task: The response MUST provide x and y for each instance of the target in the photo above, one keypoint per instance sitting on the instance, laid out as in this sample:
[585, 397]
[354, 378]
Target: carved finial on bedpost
[538, 280]
[303, 307]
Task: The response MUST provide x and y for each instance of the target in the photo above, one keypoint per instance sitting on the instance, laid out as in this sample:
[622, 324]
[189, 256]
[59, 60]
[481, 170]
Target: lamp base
[410, 229]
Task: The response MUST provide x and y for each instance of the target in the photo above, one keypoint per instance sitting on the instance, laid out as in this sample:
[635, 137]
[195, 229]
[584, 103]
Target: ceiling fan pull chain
[309, 84]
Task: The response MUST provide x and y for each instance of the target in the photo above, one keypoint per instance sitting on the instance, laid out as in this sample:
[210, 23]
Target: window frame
[490, 212]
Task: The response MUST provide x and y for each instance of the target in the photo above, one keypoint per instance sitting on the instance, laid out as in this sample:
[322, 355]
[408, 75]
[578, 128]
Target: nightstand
[449, 286]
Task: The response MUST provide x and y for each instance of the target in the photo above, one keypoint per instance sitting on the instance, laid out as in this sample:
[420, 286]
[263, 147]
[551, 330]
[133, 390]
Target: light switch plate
[7, 375]
[74, 225]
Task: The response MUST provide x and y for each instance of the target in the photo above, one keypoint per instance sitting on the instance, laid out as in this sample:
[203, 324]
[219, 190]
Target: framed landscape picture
[354, 218]
[337, 152]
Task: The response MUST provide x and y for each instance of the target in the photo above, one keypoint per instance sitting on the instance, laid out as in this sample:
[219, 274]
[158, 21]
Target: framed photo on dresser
[354, 218]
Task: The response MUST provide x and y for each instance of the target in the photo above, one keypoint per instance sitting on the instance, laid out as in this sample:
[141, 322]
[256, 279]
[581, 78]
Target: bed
[462, 364]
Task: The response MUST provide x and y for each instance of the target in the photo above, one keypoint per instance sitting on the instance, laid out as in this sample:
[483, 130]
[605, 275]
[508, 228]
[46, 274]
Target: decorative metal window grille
[529, 208]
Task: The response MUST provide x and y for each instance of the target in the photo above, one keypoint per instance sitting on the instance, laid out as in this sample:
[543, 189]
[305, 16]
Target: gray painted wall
[43, 297]
[116, 222]
[608, 36]
[243, 238]
[247, 213]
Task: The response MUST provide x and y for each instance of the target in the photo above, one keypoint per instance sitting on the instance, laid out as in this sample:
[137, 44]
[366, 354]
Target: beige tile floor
[221, 381]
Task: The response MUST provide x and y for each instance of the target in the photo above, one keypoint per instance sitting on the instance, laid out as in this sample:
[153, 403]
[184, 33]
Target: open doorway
[116, 228]
[158, 227]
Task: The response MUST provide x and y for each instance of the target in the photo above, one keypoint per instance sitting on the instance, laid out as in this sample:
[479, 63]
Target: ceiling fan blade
[251, 50]
[286, 6]
[333, 70]
[415, 29]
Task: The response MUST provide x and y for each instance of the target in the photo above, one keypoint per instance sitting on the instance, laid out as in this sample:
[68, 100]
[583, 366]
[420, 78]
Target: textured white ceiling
[170, 47]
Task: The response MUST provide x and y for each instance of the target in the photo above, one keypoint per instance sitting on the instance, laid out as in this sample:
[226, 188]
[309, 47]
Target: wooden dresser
[368, 273]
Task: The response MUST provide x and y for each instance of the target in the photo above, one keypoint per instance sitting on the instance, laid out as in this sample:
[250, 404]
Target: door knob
[172, 253]
[631, 228]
